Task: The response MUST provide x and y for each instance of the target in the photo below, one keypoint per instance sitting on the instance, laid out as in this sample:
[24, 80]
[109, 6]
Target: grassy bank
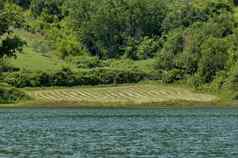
[133, 95]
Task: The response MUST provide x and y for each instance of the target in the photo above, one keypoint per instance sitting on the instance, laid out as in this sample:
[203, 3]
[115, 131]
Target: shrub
[6, 68]
[86, 61]
[11, 95]
[219, 81]
[172, 76]
[231, 81]
[195, 81]
[23, 79]
[142, 49]
[66, 77]
[148, 47]
[109, 76]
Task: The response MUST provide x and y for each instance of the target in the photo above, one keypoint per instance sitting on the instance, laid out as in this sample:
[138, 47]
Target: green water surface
[119, 133]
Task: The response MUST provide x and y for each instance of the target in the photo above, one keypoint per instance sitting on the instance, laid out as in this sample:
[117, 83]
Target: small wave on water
[115, 133]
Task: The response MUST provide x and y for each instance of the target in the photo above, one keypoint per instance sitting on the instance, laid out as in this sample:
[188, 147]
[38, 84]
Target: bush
[86, 61]
[22, 79]
[219, 81]
[234, 96]
[7, 68]
[196, 81]
[231, 82]
[148, 47]
[66, 77]
[172, 76]
[142, 49]
[11, 95]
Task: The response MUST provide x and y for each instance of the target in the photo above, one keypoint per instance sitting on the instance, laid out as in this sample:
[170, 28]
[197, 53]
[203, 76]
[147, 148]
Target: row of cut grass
[129, 94]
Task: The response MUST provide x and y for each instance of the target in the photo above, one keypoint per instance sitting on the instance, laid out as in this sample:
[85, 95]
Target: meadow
[128, 95]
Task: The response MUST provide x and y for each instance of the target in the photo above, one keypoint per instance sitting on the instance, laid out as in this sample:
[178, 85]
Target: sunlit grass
[32, 61]
[37, 54]
[138, 94]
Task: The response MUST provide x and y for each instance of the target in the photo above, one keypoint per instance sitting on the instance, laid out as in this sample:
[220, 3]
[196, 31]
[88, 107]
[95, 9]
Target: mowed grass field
[145, 94]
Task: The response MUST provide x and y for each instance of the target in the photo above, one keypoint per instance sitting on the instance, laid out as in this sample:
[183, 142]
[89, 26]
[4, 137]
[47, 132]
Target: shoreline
[172, 104]
[119, 96]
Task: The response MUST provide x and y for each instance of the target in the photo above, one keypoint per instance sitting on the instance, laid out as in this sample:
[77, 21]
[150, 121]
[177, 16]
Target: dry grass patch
[134, 94]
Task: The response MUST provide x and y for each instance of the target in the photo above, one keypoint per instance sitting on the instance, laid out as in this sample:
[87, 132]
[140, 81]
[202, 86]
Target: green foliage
[195, 81]
[11, 95]
[172, 76]
[63, 38]
[171, 48]
[86, 62]
[231, 82]
[183, 14]
[142, 49]
[23, 3]
[106, 26]
[120, 41]
[15, 15]
[66, 77]
[50, 8]
[5, 22]
[9, 44]
[219, 81]
[148, 48]
[201, 47]
[214, 57]
[6, 67]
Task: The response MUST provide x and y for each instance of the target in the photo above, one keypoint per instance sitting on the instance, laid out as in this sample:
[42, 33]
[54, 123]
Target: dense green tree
[214, 56]
[9, 44]
[106, 26]
[183, 14]
[171, 48]
[148, 47]
[23, 3]
[50, 7]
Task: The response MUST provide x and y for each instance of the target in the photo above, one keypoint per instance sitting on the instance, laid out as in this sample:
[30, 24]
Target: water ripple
[115, 133]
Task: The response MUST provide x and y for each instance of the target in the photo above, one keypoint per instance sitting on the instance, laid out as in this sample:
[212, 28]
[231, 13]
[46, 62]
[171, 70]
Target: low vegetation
[12, 95]
[66, 77]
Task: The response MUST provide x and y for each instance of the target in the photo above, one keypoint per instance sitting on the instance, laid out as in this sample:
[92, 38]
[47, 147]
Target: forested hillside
[89, 42]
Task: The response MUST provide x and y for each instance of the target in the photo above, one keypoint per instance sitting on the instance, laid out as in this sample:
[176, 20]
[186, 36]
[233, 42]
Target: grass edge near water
[130, 104]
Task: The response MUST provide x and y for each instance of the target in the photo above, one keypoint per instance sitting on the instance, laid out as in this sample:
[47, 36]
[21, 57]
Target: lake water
[119, 133]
